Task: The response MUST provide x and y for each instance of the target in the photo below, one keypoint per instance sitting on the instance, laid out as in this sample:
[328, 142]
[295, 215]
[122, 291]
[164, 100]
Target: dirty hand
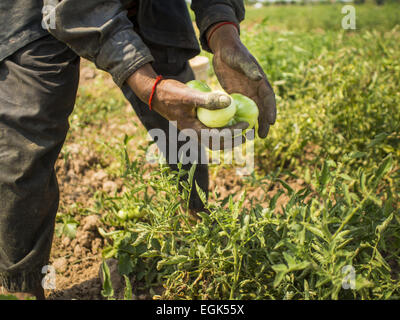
[239, 72]
[177, 102]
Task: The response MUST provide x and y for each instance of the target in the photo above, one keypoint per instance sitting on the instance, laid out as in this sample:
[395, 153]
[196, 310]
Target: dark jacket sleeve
[101, 32]
[209, 12]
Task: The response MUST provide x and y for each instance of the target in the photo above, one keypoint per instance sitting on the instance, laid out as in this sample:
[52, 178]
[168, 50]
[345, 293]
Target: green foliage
[337, 96]
[108, 290]
[236, 252]
[66, 225]
[320, 17]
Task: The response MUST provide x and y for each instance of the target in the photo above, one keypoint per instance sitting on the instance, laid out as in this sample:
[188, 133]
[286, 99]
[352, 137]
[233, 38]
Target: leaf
[324, 175]
[286, 186]
[108, 290]
[362, 182]
[245, 226]
[127, 139]
[357, 154]
[150, 254]
[345, 176]
[342, 234]
[272, 203]
[201, 193]
[375, 199]
[280, 268]
[289, 259]
[191, 173]
[326, 232]
[306, 290]
[300, 266]
[380, 259]
[362, 283]
[205, 217]
[59, 229]
[388, 207]
[315, 230]
[125, 264]
[128, 295]
[347, 194]
[105, 234]
[70, 230]
[140, 239]
[382, 227]
[377, 140]
[109, 252]
[331, 163]
[174, 260]
[278, 278]
[384, 168]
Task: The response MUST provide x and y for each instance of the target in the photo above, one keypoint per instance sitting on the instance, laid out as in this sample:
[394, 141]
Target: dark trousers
[38, 86]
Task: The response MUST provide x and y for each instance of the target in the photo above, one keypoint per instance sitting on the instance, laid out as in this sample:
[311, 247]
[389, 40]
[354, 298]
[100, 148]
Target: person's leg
[152, 120]
[37, 93]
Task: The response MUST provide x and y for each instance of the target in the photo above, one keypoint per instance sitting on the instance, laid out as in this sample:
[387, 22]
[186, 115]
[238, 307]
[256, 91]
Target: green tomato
[131, 213]
[246, 110]
[212, 118]
[241, 109]
[217, 118]
[122, 214]
[136, 213]
[199, 85]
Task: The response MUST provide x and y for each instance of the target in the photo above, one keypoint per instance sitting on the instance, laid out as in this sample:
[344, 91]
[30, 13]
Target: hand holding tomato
[177, 102]
[239, 72]
[241, 109]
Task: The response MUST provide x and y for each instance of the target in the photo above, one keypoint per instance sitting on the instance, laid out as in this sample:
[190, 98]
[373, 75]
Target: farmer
[137, 42]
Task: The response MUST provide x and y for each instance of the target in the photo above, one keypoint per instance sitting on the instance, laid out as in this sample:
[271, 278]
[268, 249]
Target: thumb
[210, 100]
[244, 63]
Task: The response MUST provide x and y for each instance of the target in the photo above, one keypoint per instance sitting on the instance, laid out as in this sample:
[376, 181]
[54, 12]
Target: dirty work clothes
[102, 32]
[20, 22]
[38, 87]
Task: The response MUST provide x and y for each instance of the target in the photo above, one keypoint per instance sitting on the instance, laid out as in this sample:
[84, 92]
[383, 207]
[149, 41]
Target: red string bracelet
[219, 25]
[158, 79]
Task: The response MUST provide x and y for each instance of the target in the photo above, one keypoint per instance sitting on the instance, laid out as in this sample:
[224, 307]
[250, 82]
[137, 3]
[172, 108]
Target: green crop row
[337, 221]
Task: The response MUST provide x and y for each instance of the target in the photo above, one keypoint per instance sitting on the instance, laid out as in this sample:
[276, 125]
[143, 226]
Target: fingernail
[257, 75]
[224, 100]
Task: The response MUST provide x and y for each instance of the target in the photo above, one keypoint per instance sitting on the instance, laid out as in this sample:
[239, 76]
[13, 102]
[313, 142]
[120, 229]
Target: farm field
[323, 199]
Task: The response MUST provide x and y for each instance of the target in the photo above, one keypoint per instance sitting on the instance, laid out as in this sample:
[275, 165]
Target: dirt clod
[84, 238]
[91, 223]
[60, 264]
[110, 186]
